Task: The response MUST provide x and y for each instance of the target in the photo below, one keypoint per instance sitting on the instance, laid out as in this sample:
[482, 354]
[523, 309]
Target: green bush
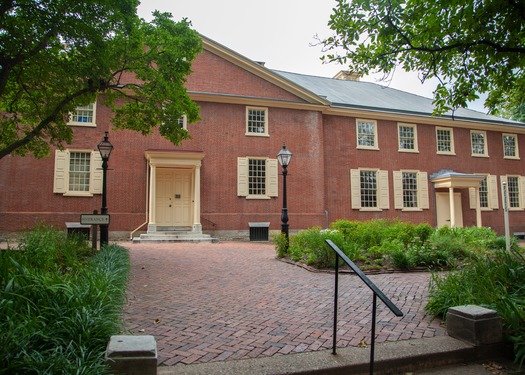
[310, 246]
[280, 242]
[57, 313]
[495, 281]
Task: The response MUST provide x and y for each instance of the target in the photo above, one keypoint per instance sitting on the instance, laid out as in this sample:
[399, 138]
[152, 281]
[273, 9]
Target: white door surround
[184, 168]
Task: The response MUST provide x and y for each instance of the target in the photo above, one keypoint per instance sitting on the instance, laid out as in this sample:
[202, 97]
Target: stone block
[474, 324]
[132, 355]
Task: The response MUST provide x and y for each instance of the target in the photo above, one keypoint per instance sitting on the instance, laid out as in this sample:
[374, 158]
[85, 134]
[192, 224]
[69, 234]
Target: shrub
[310, 246]
[58, 317]
[493, 281]
[280, 242]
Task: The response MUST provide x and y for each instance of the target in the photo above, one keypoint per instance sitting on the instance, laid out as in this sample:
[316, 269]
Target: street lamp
[284, 156]
[105, 147]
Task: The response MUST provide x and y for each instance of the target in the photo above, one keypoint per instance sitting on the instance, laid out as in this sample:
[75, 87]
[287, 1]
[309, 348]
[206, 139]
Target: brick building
[360, 151]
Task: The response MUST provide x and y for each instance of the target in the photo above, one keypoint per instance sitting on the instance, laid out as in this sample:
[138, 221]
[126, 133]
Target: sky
[280, 33]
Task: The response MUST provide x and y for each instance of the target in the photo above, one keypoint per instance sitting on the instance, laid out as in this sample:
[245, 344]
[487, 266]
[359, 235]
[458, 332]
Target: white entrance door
[174, 198]
[443, 210]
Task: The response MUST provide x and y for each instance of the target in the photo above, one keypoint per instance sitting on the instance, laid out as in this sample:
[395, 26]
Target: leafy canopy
[470, 46]
[56, 55]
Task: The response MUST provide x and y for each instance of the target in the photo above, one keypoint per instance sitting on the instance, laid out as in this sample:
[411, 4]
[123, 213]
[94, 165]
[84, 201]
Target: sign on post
[93, 219]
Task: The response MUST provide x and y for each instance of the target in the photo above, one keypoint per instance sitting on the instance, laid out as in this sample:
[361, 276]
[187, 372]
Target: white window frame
[485, 153]
[62, 173]
[257, 134]
[92, 123]
[414, 128]
[383, 197]
[452, 149]
[183, 122]
[243, 178]
[492, 193]
[375, 146]
[516, 155]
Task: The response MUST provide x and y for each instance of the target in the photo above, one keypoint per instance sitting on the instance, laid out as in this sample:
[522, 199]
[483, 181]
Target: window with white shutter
[77, 173]
[369, 189]
[257, 178]
[410, 190]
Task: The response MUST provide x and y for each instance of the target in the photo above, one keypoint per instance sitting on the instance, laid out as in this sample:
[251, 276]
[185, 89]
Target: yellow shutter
[472, 198]
[61, 177]
[384, 196]
[355, 186]
[424, 202]
[492, 184]
[272, 177]
[398, 190]
[95, 175]
[242, 177]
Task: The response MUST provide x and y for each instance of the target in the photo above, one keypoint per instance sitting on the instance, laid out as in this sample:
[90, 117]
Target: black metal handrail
[375, 290]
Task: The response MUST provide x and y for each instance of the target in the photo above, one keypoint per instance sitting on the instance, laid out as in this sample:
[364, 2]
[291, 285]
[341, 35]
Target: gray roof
[374, 97]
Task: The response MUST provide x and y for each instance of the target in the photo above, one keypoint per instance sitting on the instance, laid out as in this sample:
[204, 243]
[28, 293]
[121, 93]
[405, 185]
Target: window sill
[78, 194]
[411, 209]
[511, 157]
[258, 197]
[367, 148]
[479, 156]
[446, 153]
[257, 134]
[83, 124]
[370, 209]
[409, 151]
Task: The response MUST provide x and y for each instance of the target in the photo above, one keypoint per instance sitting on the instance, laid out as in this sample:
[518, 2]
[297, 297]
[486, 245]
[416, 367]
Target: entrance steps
[173, 236]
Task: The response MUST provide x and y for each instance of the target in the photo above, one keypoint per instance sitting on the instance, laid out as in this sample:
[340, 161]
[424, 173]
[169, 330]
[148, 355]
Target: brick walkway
[233, 300]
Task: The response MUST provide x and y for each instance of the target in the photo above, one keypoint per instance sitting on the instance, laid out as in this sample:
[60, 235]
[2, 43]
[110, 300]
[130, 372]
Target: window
[83, 116]
[257, 178]
[445, 141]
[78, 172]
[488, 193]
[367, 134]
[257, 121]
[478, 141]
[510, 146]
[515, 191]
[407, 135]
[369, 189]
[183, 122]
[79, 168]
[410, 190]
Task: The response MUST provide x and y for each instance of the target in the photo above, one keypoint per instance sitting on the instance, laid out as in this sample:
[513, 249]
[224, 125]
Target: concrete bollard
[132, 355]
[474, 324]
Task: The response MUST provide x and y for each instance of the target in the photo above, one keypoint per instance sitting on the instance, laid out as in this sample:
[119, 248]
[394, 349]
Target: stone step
[160, 237]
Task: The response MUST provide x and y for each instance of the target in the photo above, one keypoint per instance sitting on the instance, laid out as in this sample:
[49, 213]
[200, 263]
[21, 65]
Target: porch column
[152, 227]
[478, 208]
[197, 227]
[452, 207]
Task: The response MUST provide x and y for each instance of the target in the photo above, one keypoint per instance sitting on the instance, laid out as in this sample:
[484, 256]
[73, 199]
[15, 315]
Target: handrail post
[376, 293]
[336, 294]
[373, 342]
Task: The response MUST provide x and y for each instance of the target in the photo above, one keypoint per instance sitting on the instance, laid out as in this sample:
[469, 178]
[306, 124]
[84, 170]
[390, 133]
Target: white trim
[485, 153]
[407, 125]
[515, 136]
[452, 148]
[92, 123]
[254, 134]
[365, 121]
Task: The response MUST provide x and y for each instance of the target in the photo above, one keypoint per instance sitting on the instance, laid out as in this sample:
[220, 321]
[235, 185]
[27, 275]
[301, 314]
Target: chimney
[347, 75]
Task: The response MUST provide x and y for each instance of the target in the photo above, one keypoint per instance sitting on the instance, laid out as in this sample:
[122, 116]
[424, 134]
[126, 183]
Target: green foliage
[58, 54]
[310, 247]
[495, 281]
[280, 242]
[58, 318]
[471, 47]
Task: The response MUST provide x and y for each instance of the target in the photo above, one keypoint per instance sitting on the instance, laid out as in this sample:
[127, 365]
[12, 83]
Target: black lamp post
[284, 156]
[105, 147]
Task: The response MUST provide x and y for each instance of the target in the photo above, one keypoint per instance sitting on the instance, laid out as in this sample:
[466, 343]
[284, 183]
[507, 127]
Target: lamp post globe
[284, 156]
[105, 147]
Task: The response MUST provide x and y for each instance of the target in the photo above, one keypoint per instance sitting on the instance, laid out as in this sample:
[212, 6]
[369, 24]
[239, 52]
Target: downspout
[147, 204]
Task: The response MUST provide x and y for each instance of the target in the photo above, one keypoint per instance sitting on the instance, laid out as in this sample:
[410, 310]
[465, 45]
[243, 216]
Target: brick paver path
[215, 302]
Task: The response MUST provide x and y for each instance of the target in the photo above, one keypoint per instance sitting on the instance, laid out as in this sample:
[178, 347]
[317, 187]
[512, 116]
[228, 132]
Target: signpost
[94, 219]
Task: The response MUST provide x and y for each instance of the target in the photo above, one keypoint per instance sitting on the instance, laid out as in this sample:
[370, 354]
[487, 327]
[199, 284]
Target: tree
[470, 46]
[56, 55]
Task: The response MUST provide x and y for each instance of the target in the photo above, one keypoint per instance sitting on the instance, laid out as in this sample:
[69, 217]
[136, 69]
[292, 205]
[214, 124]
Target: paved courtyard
[209, 302]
